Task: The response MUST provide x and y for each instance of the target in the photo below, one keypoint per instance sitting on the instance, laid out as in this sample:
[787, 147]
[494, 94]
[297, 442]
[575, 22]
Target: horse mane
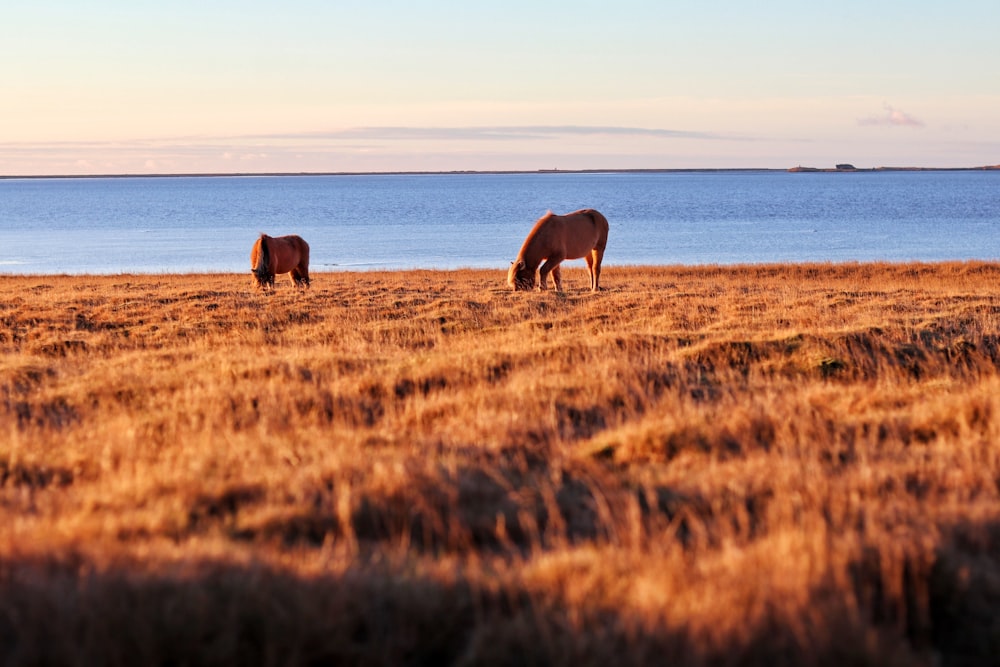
[538, 226]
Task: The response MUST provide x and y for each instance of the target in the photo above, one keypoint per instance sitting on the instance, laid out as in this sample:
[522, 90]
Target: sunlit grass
[768, 464]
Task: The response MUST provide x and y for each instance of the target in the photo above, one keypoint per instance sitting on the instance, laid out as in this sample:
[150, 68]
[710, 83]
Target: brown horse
[283, 254]
[554, 238]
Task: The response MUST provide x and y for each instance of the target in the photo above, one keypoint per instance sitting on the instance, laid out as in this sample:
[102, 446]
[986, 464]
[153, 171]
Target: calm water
[124, 225]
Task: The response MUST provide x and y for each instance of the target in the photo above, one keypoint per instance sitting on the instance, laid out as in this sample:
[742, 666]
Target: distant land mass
[705, 170]
[851, 167]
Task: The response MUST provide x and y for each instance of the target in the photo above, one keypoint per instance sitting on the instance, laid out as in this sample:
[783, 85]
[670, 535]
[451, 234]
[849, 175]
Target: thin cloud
[487, 133]
[892, 117]
[234, 146]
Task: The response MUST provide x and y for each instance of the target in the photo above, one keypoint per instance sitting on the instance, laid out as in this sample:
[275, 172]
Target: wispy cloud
[487, 133]
[892, 117]
[357, 137]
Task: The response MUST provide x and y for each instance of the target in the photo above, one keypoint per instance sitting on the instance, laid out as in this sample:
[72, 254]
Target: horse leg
[557, 276]
[594, 262]
[552, 263]
[300, 276]
[302, 269]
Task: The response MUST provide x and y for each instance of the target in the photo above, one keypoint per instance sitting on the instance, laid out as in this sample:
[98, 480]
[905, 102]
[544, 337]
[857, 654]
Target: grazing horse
[554, 238]
[282, 254]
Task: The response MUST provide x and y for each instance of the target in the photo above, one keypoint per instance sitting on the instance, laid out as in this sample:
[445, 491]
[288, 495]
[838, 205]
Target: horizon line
[650, 170]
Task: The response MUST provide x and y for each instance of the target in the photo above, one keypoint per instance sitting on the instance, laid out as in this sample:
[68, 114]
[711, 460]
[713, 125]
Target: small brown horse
[283, 254]
[555, 238]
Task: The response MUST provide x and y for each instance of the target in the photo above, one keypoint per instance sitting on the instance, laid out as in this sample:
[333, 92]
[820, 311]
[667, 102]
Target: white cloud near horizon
[892, 117]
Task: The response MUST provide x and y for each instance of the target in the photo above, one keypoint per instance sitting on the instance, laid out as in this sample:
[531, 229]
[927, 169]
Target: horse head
[520, 277]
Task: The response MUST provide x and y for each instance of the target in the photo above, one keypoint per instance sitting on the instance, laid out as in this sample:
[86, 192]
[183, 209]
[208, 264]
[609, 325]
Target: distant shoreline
[852, 169]
[797, 169]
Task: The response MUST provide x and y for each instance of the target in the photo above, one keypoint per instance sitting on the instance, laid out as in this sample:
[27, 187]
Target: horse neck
[531, 256]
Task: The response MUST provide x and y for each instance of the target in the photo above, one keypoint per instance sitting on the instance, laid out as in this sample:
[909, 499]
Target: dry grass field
[777, 465]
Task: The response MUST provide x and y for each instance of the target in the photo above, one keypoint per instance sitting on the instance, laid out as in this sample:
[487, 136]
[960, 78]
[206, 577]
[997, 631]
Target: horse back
[580, 232]
[300, 244]
[289, 252]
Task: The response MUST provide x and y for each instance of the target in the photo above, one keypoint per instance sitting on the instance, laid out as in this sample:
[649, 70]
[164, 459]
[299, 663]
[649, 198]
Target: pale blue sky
[147, 87]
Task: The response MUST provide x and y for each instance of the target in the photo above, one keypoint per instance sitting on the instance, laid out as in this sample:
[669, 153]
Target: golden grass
[718, 465]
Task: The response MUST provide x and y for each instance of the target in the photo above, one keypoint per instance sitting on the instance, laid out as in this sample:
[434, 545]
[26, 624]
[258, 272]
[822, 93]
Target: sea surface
[446, 221]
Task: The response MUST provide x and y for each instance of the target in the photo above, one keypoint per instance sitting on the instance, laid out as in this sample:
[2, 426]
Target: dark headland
[851, 168]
